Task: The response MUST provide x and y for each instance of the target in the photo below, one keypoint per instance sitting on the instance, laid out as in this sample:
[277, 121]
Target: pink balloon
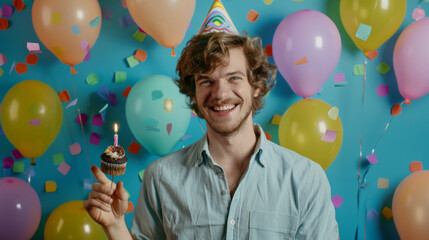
[411, 60]
[306, 49]
[20, 209]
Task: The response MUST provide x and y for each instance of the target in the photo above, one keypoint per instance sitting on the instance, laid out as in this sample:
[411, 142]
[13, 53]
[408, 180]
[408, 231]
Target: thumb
[120, 191]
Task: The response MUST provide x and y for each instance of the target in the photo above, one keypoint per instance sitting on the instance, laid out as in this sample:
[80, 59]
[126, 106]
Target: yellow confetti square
[268, 2]
[168, 104]
[383, 183]
[56, 18]
[50, 186]
[276, 119]
[1, 72]
[387, 213]
[58, 51]
[333, 113]
[217, 23]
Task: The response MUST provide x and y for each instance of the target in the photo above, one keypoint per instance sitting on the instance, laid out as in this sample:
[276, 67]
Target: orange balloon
[164, 20]
[410, 206]
[67, 28]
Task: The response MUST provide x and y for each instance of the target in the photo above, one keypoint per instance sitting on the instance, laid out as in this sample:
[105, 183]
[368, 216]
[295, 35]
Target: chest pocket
[273, 226]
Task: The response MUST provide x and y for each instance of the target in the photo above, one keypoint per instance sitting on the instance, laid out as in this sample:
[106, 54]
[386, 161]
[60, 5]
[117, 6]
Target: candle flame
[116, 127]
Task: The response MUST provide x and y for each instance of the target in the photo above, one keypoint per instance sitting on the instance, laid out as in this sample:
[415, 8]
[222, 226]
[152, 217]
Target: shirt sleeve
[147, 219]
[317, 213]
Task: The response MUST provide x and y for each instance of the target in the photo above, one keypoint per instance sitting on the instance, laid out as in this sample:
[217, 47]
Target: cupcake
[113, 161]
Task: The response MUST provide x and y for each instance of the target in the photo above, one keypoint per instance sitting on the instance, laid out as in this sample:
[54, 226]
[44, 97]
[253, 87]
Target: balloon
[306, 49]
[20, 209]
[383, 16]
[31, 117]
[71, 221]
[304, 124]
[67, 28]
[411, 60]
[157, 113]
[410, 206]
[164, 20]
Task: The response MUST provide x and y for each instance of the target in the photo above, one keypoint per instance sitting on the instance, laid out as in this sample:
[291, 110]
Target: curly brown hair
[204, 53]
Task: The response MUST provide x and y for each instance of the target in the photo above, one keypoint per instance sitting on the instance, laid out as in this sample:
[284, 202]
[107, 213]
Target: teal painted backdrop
[404, 141]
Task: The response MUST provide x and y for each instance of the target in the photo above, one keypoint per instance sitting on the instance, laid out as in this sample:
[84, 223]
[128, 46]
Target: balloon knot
[73, 71]
[173, 53]
[407, 101]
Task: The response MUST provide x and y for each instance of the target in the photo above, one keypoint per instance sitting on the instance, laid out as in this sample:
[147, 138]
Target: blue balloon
[157, 114]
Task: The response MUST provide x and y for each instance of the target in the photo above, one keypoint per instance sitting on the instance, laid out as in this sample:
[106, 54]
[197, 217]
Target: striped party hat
[217, 20]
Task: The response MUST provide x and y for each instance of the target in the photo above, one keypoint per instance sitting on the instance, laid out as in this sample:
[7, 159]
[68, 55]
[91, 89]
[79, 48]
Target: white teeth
[223, 107]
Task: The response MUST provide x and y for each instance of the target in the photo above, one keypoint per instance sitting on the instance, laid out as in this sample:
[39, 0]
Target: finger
[99, 175]
[120, 190]
[101, 197]
[93, 203]
[106, 189]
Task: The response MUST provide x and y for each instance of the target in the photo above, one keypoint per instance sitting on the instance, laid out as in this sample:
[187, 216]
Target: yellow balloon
[383, 16]
[31, 117]
[304, 124]
[71, 221]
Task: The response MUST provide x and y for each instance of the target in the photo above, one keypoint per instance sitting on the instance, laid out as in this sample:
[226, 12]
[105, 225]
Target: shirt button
[263, 161]
[232, 222]
[223, 192]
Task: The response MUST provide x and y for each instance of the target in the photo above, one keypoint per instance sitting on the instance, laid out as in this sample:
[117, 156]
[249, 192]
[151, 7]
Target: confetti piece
[151, 128]
[140, 55]
[58, 51]
[124, 4]
[87, 56]
[372, 158]
[82, 116]
[17, 154]
[103, 92]
[35, 122]
[7, 11]
[120, 77]
[139, 36]
[64, 168]
[418, 14]
[56, 18]
[31, 59]
[329, 136]
[193, 113]
[4, 23]
[269, 50]
[21, 68]
[382, 90]
[58, 158]
[185, 137]
[84, 45]
[1, 72]
[416, 166]
[134, 148]
[87, 184]
[337, 201]
[94, 138]
[33, 47]
[297, 0]
[72, 103]
[371, 54]
[92, 79]
[95, 22]
[142, 31]
[396, 109]
[12, 67]
[112, 99]
[333, 113]
[18, 167]
[8, 162]
[141, 173]
[358, 69]
[75, 29]
[75, 149]
[383, 68]
[383, 183]
[268, 2]
[157, 94]
[106, 13]
[3, 59]
[19, 5]
[169, 128]
[126, 91]
[132, 61]
[252, 16]
[97, 120]
[339, 78]
[372, 215]
[387, 213]
[276, 119]
[363, 31]
[126, 21]
[301, 61]
[50, 186]
[128, 193]
[268, 136]
[103, 108]
[168, 104]
[130, 207]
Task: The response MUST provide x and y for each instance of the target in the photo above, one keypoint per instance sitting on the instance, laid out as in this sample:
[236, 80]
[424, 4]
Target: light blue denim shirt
[282, 195]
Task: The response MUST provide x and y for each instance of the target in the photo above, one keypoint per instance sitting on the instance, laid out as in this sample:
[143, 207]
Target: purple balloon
[411, 60]
[306, 49]
[20, 209]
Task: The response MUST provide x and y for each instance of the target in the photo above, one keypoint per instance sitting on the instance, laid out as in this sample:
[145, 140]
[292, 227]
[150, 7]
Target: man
[233, 183]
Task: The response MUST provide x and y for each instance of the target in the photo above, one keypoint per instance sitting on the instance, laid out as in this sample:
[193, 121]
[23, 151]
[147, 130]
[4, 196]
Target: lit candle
[115, 139]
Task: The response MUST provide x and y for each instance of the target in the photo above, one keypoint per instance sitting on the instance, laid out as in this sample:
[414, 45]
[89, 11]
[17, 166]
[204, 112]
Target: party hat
[217, 20]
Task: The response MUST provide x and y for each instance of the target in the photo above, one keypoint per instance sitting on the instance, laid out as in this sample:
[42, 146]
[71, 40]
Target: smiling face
[224, 96]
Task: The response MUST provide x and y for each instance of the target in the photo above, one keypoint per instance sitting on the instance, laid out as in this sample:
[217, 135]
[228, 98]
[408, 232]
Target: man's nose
[220, 90]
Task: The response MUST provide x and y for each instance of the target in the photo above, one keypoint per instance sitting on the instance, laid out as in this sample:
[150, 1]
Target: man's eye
[205, 83]
[235, 78]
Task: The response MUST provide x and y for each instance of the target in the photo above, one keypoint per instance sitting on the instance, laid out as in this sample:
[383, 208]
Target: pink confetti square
[372, 158]
[7, 11]
[112, 99]
[64, 168]
[142, 31]
[72, 103]
[337, 201]
[17, 154]
[339, 78]
[193, 115]
[33, 47]
[186, 137]
[87, 56]
[35, 122]
[3, 59]
[94, 138]
[382, 90]
[329, 136]
[169, 127]
[84, 118]
[75, 149]
[97, 120]
[84, 45]
[8, 162]
[418, 13]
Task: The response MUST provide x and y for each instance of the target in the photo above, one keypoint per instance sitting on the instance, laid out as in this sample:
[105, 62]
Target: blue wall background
[404, 141]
